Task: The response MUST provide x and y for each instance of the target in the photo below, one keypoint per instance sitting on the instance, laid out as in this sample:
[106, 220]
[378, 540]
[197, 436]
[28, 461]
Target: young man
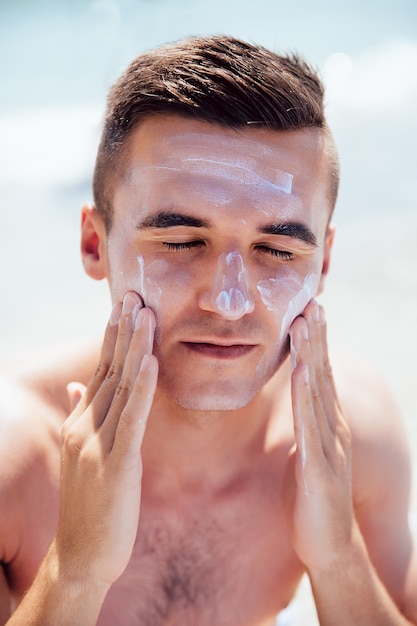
[201, 493]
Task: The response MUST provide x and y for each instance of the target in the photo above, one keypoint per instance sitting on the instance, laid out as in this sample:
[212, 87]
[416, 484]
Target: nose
[230, 295]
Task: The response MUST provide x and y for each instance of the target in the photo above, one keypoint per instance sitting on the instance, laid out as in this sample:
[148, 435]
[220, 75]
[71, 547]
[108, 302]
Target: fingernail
[144, 366]
[322, 316]
[129, 302]
[115, 314]
[305, 332]
[306, 376]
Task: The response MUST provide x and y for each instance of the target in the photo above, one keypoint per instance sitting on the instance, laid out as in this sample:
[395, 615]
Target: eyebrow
[168, 219]
[296, 230]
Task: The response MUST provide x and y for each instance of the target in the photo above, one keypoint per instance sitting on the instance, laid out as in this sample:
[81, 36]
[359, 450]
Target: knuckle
[123, 326]
[72, 441]
[344, 433]
[113, 372]
[123, 388]
[90, 455]
[316, 395]
[101, 371]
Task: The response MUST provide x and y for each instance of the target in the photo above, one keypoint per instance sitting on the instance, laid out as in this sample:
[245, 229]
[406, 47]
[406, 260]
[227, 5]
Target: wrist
[76, 578]
[348, 591]
[352, 555]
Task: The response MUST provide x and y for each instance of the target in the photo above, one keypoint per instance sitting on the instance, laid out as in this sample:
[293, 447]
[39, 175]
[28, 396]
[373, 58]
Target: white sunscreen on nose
[230, 296]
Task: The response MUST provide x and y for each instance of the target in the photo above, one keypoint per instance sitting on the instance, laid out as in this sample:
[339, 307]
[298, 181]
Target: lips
[219, 351]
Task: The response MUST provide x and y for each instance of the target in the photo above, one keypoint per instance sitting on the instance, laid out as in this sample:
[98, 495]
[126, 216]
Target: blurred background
[57, 60]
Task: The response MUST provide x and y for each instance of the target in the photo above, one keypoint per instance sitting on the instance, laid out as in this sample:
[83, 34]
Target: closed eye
[281, 254]
[182, 245]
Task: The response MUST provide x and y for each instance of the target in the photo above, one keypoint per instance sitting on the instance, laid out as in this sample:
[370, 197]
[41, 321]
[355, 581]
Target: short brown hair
[216, 79]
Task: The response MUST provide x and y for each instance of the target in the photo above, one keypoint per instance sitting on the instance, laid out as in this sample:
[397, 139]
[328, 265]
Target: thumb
[75, 392]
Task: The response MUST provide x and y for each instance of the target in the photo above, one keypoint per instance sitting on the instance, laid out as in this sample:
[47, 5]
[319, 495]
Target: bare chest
[225, 564]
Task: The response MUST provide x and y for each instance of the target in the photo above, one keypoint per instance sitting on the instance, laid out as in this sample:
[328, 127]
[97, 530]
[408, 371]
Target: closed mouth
[219, 351]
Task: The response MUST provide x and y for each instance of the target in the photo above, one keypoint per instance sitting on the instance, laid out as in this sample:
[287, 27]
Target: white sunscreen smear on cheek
[141, 284]
[297, 304]
[271, 292]
[148, 283]
[230, 295]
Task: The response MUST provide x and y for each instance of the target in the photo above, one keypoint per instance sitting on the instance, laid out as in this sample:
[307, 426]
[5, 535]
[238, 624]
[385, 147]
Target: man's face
[222, 233]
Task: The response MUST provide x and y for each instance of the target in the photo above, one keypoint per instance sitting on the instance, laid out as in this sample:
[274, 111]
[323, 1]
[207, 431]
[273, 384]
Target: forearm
[59, 597]
[350, 592]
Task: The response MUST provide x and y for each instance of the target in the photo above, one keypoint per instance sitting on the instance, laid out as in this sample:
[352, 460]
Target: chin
[219, 392]
[218, 396]
[212, 404]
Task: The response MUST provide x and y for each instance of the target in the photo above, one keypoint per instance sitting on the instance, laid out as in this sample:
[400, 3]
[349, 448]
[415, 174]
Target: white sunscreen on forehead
[241, 171]
[230, 294]
[233, 160]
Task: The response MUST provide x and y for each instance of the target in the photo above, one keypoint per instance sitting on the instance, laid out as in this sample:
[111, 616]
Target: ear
[330, 233]
[93, 243]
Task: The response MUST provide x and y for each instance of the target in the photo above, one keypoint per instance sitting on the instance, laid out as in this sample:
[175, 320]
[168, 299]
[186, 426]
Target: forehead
[175, 157]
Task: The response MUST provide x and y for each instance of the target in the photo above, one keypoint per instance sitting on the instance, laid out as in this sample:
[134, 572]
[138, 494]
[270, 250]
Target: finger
[333, 428]
[310, 454]
[101, 402]
[309, 355]
[75, 391]
[106, 358]
[95, 402]
[132, 303]
[141, 344]
[324, 374]
[133, 419]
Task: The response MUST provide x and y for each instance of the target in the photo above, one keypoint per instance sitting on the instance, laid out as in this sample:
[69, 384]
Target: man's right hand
[101, 476]
[101, 462]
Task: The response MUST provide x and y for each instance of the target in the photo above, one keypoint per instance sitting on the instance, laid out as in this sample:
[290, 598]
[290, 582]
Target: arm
[101, 473]
[346, 587]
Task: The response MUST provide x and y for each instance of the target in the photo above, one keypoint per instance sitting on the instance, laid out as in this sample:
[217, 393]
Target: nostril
[233, 302]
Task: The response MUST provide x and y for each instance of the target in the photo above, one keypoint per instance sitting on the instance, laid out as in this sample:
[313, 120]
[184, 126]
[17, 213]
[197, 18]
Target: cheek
[162, 288]
[287, 297]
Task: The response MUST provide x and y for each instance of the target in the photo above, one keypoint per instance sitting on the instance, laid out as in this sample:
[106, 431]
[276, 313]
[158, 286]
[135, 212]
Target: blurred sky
[57, 60]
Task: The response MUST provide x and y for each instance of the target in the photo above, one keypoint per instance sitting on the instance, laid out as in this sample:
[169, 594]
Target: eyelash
[188, 245]
[281, 254]
[183, 245]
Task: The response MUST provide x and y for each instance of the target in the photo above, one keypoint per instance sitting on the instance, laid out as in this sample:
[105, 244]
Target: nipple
[230, 295]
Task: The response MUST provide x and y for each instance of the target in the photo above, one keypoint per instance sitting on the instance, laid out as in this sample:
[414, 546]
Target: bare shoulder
[379, 442]
[33, 407]
[28, 455]
[29, 430]
[365, 394]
